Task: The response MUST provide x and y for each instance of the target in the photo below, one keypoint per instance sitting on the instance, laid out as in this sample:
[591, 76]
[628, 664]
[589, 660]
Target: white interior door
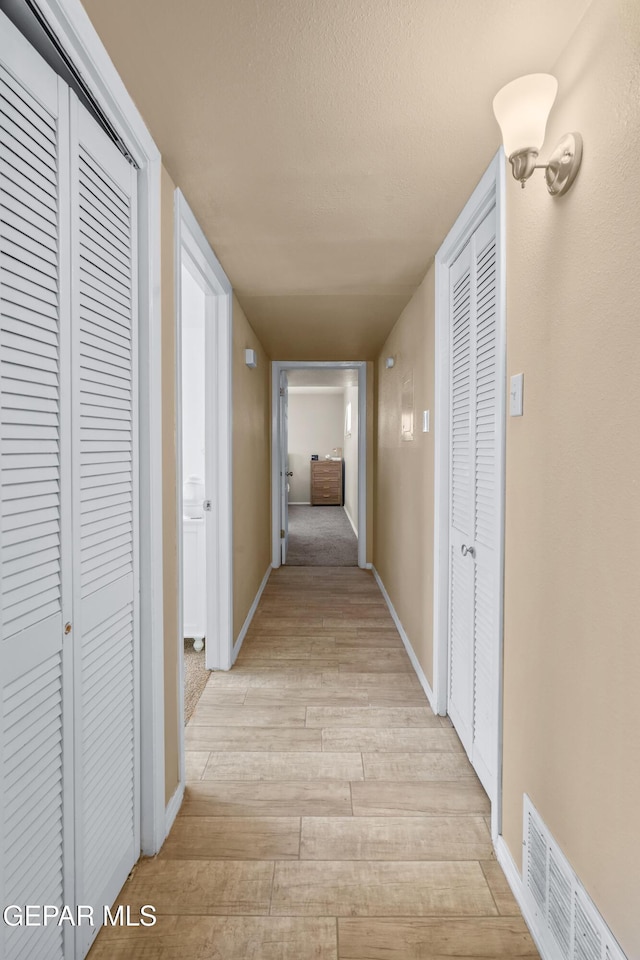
[105, 520]
[462, 568]
[68, 472]
[474, 489]
[284, 464]
[35, 662]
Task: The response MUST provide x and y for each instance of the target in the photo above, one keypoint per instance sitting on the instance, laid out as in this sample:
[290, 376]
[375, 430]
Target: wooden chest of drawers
[326, 482]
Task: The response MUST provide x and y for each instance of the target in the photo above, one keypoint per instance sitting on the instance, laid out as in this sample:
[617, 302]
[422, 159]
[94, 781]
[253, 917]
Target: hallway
[328, 813]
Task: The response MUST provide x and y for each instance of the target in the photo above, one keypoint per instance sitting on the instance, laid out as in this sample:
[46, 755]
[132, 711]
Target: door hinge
[282, 391]
[282, 534]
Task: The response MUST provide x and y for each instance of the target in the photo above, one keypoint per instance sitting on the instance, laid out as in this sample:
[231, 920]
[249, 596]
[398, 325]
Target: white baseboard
[368, 566]
[514, 880]
[407, 643]
[299, 503]
[355, 529]
[172, 808]
[250, 615]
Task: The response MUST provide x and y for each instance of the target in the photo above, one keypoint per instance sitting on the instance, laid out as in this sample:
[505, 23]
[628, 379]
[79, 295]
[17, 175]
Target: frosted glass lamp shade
[522, 109]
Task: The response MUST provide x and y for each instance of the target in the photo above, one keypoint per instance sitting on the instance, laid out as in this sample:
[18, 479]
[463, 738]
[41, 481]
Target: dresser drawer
[326, 482]
[326, 468]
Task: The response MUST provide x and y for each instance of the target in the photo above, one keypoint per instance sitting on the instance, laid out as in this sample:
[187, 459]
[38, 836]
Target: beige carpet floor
[321, 537]
[195, 678]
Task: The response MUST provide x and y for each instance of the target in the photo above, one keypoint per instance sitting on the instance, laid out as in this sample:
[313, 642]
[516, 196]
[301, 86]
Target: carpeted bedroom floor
[195, 678]
[321, 537]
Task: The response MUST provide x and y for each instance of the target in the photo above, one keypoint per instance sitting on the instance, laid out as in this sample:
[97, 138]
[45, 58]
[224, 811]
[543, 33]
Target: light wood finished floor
[329, 815]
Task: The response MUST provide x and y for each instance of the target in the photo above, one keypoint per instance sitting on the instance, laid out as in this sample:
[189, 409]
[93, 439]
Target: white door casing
[193, 250]
[284, 464]
[277, 458]
[469, 478]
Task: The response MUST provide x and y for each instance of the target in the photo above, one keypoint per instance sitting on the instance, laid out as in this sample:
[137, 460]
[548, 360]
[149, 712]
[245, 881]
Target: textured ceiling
[326, 146]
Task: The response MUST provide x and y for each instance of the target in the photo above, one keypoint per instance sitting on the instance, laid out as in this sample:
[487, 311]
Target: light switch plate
[425, 421]
[516, 395]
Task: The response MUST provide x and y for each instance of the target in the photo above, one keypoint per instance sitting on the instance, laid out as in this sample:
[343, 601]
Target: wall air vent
[568, 924]
[588, 942]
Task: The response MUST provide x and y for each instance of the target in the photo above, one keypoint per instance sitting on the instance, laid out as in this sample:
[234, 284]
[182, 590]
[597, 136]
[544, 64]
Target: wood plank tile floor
[329, 814]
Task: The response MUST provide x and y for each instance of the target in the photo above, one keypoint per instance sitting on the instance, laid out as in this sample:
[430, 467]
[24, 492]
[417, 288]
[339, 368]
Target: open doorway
[194, 559]
[203, 429]
[322, 481]
[319, 464]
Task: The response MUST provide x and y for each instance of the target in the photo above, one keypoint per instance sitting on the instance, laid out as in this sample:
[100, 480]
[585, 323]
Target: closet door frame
[75, 33]
[490, 192]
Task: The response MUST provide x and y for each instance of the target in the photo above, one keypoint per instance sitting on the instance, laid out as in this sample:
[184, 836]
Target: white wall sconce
[522, 109]
[251, 358]
[389, 362]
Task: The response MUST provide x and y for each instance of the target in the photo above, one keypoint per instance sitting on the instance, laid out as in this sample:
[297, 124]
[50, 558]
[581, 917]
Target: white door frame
[361, 367]
[77, 36]
[192, 247]
[489, 192]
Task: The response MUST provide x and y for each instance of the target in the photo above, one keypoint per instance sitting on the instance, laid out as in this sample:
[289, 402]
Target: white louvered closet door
[474, 490]
[461, 570]
[485, 509]
[105, 514]
[35, 669]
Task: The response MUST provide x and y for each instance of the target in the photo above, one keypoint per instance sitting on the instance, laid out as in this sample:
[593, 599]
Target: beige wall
[572, 608]
[403, 553]
[316, 425]
[251, 468]
[572, 600]
[172, 649]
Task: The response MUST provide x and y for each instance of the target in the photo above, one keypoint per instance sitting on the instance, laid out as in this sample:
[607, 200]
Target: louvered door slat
[460, 438]
[100, 224]
[114, 199]
[102, 255]
[105, 510]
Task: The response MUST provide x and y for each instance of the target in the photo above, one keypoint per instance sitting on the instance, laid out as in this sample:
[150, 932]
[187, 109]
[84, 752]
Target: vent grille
[560, 906]
[588, 943]
[537, 863]
[568, 924]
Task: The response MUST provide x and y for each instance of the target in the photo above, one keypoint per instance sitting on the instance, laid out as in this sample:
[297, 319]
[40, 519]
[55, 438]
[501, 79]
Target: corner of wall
[404, 469]
[251, 468]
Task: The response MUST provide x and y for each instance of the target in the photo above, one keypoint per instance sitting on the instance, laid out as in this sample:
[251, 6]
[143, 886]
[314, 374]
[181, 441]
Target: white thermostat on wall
[251, 358]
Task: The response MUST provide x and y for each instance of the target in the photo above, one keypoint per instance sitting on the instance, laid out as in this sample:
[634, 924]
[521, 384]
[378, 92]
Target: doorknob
[289, 473]
[464, 550]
